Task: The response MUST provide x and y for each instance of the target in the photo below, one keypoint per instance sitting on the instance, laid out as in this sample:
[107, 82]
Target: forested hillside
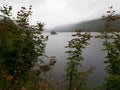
[92, 26]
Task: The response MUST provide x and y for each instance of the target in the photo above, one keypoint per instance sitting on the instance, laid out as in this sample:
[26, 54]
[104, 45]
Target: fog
[59, 12]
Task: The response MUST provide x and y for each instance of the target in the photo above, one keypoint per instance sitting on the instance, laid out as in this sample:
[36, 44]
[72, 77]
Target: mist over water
[93, 57]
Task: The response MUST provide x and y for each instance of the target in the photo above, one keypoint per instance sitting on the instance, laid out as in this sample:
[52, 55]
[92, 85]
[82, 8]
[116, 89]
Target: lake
[93, 57]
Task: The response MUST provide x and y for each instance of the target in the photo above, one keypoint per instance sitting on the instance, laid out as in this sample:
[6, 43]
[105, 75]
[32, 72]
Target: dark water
[93, 57]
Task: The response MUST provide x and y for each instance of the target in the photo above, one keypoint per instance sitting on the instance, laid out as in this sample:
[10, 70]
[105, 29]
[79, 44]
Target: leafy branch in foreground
[112, 46]
[21, 46]
[76, 79]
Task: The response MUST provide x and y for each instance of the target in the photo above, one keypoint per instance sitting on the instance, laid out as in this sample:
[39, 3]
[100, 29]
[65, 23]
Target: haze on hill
[91, 25]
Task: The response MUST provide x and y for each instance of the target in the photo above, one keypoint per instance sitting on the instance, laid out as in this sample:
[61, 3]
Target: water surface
[93, 57]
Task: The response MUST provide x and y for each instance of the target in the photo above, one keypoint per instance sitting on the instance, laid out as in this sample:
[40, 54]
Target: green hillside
[92, 26]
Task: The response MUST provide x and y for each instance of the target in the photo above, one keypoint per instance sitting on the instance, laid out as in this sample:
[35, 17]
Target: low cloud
[58, 12]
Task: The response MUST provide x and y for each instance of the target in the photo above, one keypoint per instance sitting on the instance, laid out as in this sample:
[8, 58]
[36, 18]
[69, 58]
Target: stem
[70, 81]
[71, 76]
[106, 42]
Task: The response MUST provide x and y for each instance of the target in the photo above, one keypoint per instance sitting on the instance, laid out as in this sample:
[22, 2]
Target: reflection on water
[93, 57]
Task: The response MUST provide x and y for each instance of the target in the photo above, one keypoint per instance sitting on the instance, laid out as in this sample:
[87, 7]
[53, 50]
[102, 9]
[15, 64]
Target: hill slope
[92, 26]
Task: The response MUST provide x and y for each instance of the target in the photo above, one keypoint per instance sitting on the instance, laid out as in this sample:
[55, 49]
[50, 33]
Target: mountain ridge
[91, 25]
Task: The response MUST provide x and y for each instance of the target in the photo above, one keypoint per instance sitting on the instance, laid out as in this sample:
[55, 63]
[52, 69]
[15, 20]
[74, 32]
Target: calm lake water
[93, 57]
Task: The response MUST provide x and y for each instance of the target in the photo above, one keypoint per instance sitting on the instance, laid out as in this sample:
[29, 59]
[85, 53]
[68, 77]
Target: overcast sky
[59, 12]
